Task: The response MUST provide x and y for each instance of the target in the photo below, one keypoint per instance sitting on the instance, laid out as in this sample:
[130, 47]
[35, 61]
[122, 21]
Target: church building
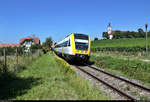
[110, 32]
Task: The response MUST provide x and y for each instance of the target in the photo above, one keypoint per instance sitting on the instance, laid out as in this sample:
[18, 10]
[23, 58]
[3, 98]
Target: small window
[68, 43]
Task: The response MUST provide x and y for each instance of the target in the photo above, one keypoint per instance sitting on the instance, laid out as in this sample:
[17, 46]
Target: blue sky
[58, 18]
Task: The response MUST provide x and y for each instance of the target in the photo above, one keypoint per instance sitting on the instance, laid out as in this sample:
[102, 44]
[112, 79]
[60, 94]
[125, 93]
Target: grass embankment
[124, 65]
[47, 78]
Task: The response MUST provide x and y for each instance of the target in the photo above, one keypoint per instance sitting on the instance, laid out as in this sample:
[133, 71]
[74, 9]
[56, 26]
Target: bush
[95, 38]
[120, 49]
[35, 46]
[1, 66]
[45, 50]
[11, 50]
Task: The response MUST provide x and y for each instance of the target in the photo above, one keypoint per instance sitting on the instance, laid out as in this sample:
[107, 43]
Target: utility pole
[5, 60]
[146, 39]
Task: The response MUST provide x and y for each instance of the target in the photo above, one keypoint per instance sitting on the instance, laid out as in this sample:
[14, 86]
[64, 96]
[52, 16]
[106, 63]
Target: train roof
[76, 34]
[70, 34]
[79, 34]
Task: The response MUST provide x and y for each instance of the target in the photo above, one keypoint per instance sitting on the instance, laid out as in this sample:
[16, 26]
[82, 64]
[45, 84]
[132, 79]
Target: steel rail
[130, 82]
[117, 90]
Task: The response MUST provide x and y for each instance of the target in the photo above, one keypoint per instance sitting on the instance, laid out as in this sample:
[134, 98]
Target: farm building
[28, 41]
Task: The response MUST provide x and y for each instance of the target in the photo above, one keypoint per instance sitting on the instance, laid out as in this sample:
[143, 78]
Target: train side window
[68, 43]
[63, 44]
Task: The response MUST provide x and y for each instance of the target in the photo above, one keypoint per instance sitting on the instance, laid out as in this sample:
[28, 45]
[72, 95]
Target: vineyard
[128, 44]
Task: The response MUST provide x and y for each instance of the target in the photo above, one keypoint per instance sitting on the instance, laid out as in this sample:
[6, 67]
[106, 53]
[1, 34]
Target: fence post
[39, 52]
[5, 60]
[16, 55]
[23, 54]
[28, 55]
[31, 55]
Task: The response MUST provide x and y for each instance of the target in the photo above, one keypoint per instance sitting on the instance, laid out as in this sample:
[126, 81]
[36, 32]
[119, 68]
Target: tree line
[126, 34]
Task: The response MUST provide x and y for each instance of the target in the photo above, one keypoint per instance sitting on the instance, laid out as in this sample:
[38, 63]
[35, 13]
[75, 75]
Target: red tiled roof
[37, 41]
[9, 45]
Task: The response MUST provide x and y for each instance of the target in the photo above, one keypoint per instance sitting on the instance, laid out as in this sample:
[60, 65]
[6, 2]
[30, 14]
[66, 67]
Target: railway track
[128, 81]
[123, 87]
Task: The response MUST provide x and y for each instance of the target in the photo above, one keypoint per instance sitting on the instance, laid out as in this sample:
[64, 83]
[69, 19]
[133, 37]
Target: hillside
[123, 44]
[120, 43]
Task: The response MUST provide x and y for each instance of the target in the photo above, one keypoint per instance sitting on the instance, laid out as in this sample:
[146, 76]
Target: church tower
[109, 31]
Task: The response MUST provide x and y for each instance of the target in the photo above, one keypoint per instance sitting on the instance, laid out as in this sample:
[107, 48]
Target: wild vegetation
[15, 63]
[129, 66]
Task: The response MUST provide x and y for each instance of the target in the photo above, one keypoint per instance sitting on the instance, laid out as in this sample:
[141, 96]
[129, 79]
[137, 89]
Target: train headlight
[81, 56]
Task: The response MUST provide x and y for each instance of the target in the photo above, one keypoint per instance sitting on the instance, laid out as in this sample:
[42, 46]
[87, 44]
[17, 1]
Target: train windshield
[81, 42]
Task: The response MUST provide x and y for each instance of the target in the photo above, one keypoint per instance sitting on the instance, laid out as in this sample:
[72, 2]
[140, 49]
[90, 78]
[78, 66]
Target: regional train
[74, 47]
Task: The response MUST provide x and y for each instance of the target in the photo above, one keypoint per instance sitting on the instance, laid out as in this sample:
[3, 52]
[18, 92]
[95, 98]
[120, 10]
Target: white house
[28, 41]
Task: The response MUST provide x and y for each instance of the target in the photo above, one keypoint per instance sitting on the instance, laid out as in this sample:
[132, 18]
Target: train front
[82, 47]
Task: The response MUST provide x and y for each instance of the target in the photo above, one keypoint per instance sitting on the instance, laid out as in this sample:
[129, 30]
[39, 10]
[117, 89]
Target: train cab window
[81, 42]
[81, 36]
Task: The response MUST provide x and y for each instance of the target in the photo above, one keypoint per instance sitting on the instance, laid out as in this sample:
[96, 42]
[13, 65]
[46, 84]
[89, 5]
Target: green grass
[128, 42]
[48, 78]
[123, 65]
